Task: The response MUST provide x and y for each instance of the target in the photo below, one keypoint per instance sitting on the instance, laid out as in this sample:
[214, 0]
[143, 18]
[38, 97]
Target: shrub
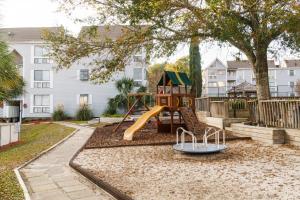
[84, 113]
[59, 114]
[111, 108]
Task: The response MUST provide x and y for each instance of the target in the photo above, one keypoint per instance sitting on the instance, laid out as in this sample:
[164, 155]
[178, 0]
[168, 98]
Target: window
[221, 84]
[83, 99]
[221, 72]
[212, 84]
[137, 74]
[292, 84]
[41, 104]
[41, 79]
[271, 74]
[291, 72]
[137, 59]
[84, 75]
[41, 55]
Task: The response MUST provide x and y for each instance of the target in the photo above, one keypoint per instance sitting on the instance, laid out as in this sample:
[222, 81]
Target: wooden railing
[253, 111]
[175, 101]
[280, 113]
[219, 109]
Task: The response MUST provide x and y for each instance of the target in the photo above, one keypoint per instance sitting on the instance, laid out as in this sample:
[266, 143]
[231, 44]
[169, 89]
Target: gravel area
[247, 170]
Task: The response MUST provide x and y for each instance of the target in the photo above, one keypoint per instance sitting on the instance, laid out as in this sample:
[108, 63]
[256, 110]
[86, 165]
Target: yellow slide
[128, 135]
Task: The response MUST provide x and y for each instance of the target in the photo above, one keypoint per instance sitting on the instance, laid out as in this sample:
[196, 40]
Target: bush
[84, 113]
[111, 107]
[59, 114]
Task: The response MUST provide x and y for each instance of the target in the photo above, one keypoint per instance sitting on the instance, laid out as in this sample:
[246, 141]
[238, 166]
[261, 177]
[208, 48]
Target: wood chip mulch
[104, 137]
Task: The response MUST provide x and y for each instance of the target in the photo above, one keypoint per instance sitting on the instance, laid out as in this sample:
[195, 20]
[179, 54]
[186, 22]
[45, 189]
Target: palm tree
[120, 101]
[11, 83]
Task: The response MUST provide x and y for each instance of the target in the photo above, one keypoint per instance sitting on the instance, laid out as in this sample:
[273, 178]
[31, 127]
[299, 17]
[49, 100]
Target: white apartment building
[218, 77]
[46, 88]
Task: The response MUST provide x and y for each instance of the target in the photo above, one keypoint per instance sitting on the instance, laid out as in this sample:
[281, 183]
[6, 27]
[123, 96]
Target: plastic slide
[128, 135]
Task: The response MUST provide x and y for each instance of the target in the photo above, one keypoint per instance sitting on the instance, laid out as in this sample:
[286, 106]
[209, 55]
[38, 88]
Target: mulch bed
[104, 137]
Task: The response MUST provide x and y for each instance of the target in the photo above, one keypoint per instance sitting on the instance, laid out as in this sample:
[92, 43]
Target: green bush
[111, 107]
[59, 114]
[84, 113]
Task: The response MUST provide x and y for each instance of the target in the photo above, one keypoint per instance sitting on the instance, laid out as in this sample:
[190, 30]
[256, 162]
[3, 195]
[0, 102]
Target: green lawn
[34, 139]
[100, 124]
[77, 122]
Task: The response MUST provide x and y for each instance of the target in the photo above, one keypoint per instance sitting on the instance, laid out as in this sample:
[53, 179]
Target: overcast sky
[34, 13]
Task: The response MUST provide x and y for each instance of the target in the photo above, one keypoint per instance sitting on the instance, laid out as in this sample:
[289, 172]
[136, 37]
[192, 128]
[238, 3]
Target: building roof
[217, 63]
[176, 78]
[292, 63]
[237, 64]
[24, 34]
[243, 87]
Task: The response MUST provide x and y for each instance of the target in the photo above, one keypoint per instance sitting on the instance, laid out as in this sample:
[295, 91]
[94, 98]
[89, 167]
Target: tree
[155, 71]
[120, 101]
[195, 67]
[11, 83]
[249, 25]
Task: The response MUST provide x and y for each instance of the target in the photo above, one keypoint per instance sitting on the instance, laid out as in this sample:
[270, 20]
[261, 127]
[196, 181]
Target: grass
[113, 116]
[77, 121]
[34, 139]
[100, 124]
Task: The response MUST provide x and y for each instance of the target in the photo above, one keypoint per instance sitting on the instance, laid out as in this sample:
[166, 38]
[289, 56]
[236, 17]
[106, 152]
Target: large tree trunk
[260, 68]
[262, 78]
[195, 67]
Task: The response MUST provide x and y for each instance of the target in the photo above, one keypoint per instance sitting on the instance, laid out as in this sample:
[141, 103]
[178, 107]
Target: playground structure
[138, 98]
[200, 148]
[172, 94]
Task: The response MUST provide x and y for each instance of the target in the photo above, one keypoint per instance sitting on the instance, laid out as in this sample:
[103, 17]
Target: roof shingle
[24, 34]
[246, 64]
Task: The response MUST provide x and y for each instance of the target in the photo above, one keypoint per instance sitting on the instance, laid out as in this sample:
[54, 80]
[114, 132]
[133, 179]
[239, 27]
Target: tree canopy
[156, 70]
[160, 25]
[11, 83]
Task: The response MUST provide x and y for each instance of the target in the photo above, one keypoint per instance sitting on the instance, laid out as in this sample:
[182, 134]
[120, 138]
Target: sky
[43, 13]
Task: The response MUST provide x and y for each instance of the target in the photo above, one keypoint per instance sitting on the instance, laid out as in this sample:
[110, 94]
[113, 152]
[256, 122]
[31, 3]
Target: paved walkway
[51, 178]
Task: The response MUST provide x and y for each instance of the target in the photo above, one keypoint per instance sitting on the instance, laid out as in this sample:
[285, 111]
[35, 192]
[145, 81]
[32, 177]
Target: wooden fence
[278, 112]
[281, 113]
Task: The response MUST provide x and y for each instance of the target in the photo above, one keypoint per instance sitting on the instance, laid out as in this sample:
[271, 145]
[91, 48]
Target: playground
[147, 158]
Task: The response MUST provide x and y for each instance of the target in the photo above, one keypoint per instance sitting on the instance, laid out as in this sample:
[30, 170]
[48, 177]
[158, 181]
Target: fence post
[226, 109]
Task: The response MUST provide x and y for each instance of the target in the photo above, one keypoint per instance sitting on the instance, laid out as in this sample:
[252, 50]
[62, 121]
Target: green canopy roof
[176, 78]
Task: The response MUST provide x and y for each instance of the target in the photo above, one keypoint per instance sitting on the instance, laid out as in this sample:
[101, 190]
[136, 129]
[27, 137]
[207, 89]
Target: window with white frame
[221, 84]
[137, 74]
[41, 103]
[221, 72]
[83, 99]
[84, 75]
[212, 84]
[137, 58]
[41, 55]
[292, 84]
[272, 86]
[271, 74]
[41, 79]
[291, 72]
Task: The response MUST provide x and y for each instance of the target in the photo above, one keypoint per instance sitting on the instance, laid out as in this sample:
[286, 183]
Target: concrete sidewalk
[51, 178]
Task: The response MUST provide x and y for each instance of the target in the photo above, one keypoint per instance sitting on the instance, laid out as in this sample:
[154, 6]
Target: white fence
[9, 133]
